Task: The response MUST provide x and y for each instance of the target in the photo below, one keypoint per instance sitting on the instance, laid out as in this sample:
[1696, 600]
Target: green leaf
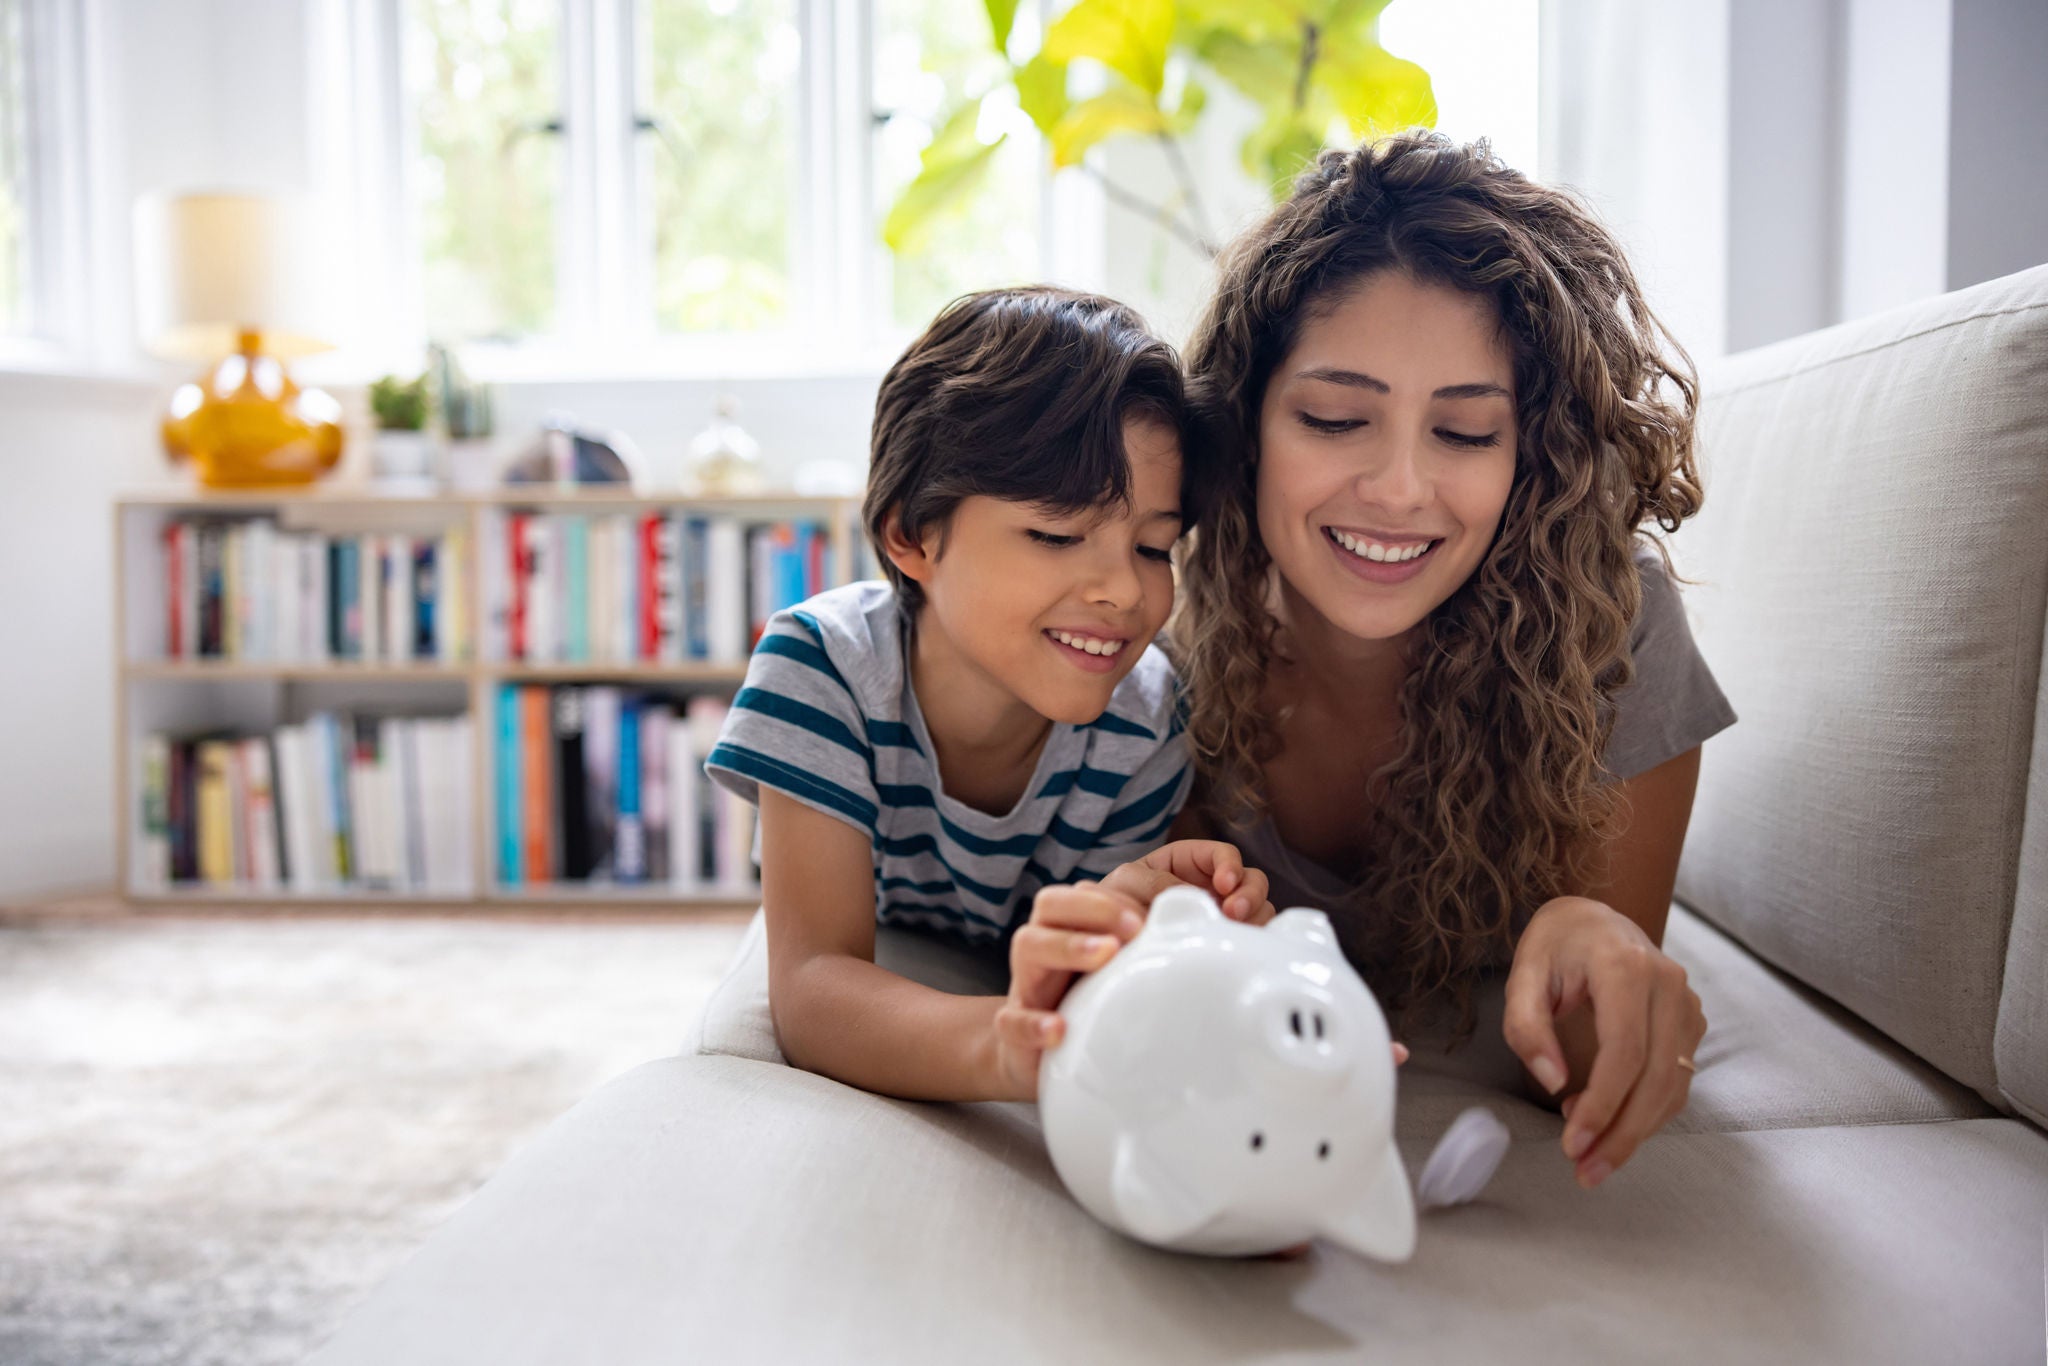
[1263, 71]
[1194, 98]
[1130, 37]
[1042, 91]
[1279, 148]
[1100, 117]
[1252, 21]
[1374, 90]
[952, 167]
[1001, 15]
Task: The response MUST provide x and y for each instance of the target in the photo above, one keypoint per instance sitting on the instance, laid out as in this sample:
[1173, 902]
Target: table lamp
[231, 279]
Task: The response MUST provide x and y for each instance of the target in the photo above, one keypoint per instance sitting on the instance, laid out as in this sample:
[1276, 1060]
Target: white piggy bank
[1229, 1089]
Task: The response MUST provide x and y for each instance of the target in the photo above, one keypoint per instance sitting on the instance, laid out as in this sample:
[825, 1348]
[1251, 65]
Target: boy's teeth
[1374, 550]
[1088, 643]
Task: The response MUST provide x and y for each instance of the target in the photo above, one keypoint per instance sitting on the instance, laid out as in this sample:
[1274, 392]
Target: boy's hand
[1072, 930]
[1212, 865]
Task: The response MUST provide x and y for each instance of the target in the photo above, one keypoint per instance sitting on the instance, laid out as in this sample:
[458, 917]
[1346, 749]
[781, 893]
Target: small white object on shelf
[724, 461]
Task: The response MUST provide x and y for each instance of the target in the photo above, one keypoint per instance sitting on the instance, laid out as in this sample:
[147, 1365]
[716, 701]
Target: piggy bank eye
[1258, 1142]
[1323, 1149]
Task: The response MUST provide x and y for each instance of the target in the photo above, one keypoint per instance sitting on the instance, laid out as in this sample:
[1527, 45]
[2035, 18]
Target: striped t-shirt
[827, 716]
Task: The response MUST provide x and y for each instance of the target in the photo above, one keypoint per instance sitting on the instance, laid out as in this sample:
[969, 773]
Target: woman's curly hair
[1497, 795]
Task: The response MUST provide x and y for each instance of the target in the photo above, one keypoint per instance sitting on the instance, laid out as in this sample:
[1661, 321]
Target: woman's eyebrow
[1359, 380]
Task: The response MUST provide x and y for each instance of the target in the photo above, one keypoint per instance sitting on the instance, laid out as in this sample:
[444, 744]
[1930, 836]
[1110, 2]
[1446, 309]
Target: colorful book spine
[629, 840]
[511, 864]
[576, 571]
[537, 805]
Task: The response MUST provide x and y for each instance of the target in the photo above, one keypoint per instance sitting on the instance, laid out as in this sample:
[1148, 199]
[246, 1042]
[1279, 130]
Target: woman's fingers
[1528, 1023]
[1400, 1054]
[1660, 1090]
[1619, 984]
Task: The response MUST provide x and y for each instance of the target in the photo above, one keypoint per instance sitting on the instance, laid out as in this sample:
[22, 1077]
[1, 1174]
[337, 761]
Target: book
[629, 835]
[600, 771]
[511, 802]
[576, 589]
[725, 577]
[685, 860]
[654, 799]
[216, 817]
[266, 856]
[572, 784]
[694, 567]
[535, 785]
[153, 866]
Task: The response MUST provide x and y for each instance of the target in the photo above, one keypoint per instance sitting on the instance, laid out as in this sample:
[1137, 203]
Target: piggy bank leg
[1153, 1202]
[1381, 1222]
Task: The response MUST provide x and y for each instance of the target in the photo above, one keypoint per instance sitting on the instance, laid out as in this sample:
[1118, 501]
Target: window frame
[75, 321]
[605, 240]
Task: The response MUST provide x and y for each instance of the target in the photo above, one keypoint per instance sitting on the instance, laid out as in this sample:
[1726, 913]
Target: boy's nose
[1115, 583]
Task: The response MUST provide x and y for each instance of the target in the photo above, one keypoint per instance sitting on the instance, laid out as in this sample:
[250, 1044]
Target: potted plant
[403, 449]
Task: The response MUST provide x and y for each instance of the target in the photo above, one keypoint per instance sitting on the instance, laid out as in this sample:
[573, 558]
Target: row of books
[641, 587]
[335, 801]
[251, 591]
[607, 784]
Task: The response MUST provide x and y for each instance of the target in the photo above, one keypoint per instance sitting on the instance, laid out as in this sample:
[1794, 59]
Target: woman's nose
[1397, 479]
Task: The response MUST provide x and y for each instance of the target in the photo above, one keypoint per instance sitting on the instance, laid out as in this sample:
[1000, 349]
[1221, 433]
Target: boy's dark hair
[1021, 394]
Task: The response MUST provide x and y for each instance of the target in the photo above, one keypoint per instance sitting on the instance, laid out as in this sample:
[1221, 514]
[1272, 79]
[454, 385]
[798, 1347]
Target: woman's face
[1387, 448]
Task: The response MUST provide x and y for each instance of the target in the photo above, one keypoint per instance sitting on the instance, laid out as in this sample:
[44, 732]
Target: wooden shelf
[148, 691]
[197, 670]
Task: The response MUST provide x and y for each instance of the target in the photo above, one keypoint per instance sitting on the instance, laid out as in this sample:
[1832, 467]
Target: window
[628, 176]
[45, 287]
[15, 317]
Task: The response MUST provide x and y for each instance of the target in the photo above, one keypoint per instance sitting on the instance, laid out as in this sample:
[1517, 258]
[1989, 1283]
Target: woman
[1440, 683]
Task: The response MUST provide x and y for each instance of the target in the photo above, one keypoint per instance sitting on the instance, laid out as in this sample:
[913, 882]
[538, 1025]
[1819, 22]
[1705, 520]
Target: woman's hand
[1212, 865]
[1072, 930]
[1577, 952]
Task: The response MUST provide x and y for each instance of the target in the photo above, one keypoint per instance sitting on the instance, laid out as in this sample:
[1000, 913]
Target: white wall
[66, 447]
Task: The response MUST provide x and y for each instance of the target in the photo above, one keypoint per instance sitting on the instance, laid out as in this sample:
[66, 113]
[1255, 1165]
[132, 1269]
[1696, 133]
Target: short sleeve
[1145, 809]
[795, 727]
[1673, 703]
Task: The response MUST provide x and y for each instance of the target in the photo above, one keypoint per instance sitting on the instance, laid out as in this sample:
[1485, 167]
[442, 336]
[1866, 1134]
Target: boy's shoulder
[1146, 705]
[859, 629]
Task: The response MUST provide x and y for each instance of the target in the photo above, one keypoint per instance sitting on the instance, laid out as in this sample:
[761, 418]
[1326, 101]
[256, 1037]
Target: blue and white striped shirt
[827, 716]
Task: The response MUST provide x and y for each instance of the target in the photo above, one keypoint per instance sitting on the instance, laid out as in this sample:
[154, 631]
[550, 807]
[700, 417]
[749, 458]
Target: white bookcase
[156, 694]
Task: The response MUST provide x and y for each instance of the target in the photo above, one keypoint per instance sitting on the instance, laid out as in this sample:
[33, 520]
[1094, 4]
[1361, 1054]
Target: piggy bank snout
[1301, 1028]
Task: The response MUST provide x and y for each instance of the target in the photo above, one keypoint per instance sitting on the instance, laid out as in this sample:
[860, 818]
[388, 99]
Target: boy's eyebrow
[1359, 380]
[1164, 515]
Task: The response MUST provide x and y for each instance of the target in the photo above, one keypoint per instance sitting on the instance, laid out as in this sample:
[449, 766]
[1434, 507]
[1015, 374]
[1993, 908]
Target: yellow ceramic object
[248, 425]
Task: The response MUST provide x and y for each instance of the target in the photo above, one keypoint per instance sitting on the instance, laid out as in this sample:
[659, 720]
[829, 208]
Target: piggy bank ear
[1310, 926]
[1381, 1222]
[1155, 1204]
[1181, 910]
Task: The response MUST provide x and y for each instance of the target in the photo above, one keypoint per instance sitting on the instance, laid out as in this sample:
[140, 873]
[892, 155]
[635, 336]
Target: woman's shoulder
[1672, 703]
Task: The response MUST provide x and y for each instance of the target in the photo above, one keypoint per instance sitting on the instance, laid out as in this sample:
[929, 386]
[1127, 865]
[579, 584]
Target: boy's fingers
[1044, 947]
[1023, 1028]
[1091, 907]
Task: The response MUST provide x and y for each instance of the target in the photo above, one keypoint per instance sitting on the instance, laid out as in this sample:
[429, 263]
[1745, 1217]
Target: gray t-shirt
[827, 716]
[1671, 705]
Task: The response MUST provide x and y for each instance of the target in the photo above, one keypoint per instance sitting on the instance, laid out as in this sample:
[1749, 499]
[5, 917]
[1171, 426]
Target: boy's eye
[1053, 539]
[1153, 552]
[1464, 439]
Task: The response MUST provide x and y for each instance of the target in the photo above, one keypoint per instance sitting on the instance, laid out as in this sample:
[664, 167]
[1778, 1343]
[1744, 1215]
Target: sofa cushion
[1776, 1055]
[717, 1209]
[2022, 1044]
[1871, 588]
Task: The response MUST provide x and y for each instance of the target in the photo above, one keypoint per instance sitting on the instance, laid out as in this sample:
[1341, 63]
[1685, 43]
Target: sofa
[1861, 1174]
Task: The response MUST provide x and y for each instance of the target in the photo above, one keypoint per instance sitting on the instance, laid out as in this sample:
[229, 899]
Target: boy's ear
[913, 559]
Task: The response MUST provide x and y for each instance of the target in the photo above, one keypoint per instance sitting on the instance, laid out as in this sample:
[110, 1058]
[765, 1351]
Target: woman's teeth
[1089, 643]
[1376, 550]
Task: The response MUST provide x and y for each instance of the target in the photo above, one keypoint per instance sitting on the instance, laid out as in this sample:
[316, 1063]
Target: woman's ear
[913, 559]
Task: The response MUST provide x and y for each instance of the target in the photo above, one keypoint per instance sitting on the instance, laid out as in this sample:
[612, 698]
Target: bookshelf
[161, 692]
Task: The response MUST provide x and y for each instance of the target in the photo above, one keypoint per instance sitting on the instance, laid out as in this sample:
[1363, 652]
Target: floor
[217, 1133]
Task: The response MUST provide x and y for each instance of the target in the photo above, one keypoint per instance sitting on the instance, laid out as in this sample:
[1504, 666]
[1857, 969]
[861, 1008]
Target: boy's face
[1055, 609]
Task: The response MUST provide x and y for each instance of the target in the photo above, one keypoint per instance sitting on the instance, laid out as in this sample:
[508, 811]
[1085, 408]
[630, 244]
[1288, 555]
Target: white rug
[217, 1136]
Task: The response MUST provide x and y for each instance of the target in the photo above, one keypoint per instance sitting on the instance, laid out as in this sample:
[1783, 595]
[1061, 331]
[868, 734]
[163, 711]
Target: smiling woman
[1440, 679]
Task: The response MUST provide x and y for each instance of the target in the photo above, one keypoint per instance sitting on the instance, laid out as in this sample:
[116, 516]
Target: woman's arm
[1595, 1009]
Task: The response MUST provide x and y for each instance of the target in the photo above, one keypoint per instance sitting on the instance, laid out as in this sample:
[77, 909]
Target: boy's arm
[836, 1012]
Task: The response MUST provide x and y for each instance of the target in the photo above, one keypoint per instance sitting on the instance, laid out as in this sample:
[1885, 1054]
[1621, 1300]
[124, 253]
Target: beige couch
[1864, 909]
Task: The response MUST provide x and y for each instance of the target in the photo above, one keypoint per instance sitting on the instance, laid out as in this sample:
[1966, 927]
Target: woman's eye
[1466, 439]
[1329, 424]
[1056, 541]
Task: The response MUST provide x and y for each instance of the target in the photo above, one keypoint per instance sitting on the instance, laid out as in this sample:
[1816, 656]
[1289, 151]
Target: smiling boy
[964, 748]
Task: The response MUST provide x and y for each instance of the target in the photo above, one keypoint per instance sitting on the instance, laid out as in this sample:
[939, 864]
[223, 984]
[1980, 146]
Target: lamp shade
[211, 266]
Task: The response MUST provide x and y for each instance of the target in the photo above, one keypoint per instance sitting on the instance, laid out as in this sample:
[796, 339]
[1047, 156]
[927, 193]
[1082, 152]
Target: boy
[958, 747]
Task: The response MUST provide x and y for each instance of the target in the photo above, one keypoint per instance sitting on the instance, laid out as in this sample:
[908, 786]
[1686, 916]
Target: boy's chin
[1075, 704]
